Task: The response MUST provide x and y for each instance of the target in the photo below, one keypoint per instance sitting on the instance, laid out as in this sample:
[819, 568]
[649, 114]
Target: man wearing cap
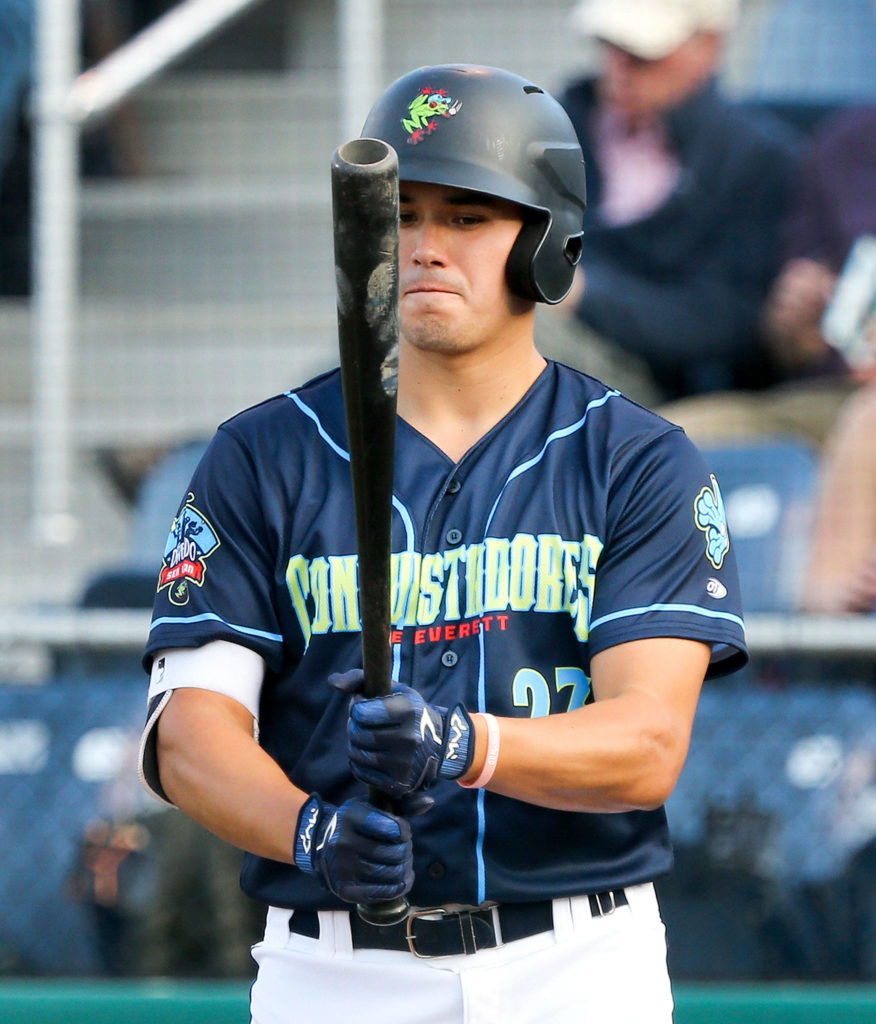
[686, 194]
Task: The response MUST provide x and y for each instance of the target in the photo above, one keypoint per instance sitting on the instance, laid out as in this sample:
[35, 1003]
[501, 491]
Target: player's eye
[406, 216]
[469, 219]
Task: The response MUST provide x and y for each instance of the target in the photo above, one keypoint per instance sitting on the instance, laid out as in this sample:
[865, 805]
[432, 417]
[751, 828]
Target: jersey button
[437, 869]
[454, 486]
[449, 659]
[453, 536]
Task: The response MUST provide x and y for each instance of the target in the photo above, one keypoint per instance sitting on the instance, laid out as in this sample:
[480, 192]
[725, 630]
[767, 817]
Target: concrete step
[184, 240]
[145, 376]
[15, 341]
[531, 39]
[239, 125]
[147, 373]
[39, 574]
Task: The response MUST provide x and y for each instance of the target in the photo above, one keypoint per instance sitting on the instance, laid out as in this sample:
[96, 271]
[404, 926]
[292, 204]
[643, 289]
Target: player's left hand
[361, 853]
[401, 744]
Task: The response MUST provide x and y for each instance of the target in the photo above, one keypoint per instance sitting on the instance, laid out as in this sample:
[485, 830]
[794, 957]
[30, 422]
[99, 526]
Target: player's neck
[455, 400]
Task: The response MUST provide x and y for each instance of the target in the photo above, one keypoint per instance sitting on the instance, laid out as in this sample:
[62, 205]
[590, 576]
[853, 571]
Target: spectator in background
[108, 149]
[842, 568]
[834, 204]
[686, 193]
[16, 50]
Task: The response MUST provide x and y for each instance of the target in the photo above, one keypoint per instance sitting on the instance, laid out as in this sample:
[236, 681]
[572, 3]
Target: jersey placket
[427, 653]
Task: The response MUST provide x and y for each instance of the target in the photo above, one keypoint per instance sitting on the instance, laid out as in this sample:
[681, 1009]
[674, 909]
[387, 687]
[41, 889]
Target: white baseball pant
[598, 970]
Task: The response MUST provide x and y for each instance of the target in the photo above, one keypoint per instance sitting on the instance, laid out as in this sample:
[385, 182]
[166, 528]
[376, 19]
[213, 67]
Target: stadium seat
[158, 501]
[67, 753]
[773, 824]
[131, 584]
[768, 489]
[817, 51]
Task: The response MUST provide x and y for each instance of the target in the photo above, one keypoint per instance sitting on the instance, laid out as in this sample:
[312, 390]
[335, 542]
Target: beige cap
[651, 29]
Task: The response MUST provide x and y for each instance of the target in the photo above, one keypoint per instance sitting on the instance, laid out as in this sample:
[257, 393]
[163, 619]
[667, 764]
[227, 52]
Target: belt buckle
[409, 930]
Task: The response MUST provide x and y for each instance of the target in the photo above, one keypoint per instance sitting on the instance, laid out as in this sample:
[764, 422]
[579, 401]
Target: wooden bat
[365, 210]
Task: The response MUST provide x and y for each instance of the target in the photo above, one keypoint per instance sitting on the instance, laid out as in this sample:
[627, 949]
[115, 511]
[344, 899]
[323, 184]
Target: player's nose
[426, 246]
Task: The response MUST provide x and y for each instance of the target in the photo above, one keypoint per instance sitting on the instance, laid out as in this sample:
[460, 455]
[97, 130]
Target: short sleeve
[667, 567]
[217, 566]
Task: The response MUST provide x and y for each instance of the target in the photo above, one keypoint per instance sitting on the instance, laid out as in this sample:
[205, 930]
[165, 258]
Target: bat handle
[386, 912]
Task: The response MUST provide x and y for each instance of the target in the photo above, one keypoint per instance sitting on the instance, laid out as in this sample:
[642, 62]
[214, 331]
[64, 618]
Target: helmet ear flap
[537, 272]
[520, 268]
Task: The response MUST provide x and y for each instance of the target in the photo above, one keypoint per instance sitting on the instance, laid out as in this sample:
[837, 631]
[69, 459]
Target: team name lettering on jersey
[542, 573]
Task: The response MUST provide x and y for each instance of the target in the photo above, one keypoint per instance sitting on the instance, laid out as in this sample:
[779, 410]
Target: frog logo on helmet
[423, 111]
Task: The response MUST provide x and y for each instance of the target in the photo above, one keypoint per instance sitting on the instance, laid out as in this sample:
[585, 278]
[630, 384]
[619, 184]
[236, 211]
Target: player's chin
[431, 330]
[441, 338]
[431, 338]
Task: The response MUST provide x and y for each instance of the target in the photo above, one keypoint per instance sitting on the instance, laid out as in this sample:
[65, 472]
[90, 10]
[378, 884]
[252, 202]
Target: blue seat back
[768, 488]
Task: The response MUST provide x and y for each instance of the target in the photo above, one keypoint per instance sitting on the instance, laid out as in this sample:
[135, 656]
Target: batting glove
[399, 743]
[362, 854]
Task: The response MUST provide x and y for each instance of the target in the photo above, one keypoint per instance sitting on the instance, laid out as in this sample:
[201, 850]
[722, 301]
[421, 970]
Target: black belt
[438, 932]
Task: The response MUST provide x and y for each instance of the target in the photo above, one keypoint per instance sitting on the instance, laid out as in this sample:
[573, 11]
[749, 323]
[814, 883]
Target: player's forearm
[214, 771]
[615, 755]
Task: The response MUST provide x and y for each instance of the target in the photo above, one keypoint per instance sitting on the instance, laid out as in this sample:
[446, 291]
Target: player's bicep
[231, 672]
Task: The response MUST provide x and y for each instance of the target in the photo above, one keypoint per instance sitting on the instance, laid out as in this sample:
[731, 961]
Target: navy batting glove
[362, 854]
[399, 743]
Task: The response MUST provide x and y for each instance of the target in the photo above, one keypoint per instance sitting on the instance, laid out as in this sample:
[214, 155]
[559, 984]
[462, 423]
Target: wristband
[493, 740]
[306, 833]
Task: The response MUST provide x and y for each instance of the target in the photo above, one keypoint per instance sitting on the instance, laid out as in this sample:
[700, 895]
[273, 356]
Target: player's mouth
[429, 287]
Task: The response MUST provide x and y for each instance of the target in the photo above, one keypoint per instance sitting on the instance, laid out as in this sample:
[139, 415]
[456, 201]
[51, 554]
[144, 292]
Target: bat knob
[384, 913]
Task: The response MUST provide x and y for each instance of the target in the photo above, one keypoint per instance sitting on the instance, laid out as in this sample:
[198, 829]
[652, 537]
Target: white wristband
[493, 741]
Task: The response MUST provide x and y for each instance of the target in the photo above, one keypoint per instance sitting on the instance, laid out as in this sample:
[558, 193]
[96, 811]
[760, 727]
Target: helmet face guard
[490, 131]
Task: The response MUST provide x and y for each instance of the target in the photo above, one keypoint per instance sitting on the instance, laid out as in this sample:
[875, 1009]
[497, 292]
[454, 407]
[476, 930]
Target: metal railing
[767, 635]
[64, 104]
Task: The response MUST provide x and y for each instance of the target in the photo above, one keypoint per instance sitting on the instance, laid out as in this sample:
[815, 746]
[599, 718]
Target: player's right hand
[363, 855]
[400, 744]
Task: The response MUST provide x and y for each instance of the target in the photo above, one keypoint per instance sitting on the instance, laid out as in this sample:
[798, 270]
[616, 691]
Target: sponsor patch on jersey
[423, 113]
[710, 517]
[190, 542]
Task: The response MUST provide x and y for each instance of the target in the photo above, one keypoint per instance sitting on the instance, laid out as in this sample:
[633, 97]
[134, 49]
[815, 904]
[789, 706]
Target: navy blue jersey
[579, 522]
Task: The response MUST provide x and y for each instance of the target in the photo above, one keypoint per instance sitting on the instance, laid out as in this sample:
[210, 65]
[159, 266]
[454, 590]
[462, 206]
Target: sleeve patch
[711, 518]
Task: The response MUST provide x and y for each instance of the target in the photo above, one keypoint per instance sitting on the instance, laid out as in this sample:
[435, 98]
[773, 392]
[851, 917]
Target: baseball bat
[365, 209]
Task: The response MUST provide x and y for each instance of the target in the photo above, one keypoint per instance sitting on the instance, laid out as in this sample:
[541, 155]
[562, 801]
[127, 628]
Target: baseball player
[562, 583]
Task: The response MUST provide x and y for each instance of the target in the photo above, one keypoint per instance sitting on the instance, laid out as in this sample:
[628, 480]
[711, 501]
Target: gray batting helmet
[491, 131]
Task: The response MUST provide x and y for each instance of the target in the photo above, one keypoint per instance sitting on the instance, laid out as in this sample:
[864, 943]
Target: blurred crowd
[728, 278]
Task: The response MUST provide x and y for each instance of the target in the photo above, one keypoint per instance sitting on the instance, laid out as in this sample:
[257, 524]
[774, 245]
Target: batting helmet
[490, 131]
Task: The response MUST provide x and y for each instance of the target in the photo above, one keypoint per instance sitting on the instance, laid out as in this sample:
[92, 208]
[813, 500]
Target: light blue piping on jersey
[557, 435]
[404, 514]
[335, 447]
[170, 620]
[692, 608]
[345, 455]
[482, 817]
